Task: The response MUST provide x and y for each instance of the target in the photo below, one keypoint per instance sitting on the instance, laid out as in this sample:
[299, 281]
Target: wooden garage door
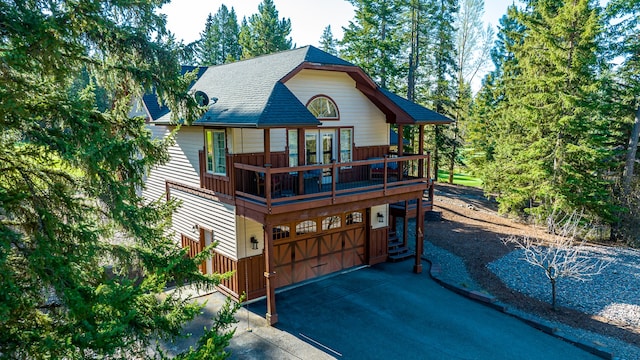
[319, 247]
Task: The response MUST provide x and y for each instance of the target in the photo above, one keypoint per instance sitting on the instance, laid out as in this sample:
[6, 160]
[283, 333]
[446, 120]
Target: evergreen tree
[263, 33]
[327, 42]
[417, 31]
[442, 56]
[624, 100]
[83, 258]
[372, 40]
[484, 125]
[218, 42]
[552, 145]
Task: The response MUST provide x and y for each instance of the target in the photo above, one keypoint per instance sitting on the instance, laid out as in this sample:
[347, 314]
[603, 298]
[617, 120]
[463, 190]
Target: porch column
[401, 153]
[405, 224]
[270, 275]
[417, 268]
[267, 146]
[400, 140]
[301, 161]
[421, 151]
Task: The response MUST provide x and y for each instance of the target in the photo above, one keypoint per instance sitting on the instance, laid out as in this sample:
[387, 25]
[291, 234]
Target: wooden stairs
[397, 250]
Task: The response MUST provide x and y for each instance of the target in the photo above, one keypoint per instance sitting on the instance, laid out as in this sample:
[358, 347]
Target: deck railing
[272, 186]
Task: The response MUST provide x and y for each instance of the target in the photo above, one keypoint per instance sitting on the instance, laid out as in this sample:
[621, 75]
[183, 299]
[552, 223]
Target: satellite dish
[201, 98]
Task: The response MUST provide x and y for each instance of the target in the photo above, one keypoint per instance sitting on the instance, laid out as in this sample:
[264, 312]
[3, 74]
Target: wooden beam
[270, 274]
[421, 151]
[405, 219]
[301, 160]
[267, 146]
[417, 268]
[400, 151]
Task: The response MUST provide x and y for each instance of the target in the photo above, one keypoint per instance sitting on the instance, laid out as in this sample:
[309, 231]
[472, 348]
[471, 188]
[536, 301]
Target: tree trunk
[436, 155]
[413, 57]
[631, 153]
[553, 294]
[454, 148]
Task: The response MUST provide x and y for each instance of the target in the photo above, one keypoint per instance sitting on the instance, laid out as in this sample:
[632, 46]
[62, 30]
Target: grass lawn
[459, 179]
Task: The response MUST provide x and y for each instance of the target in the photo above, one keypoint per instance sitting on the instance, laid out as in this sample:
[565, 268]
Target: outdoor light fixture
[254, 243]
[195, 228]
[380, 217]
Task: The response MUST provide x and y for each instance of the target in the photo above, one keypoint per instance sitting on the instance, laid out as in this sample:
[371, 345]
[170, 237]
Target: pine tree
[263, 33]
[327, 42]
[417, 31]
[83, 258]
[372, 40]
[442, 55]
[552, 149]
[485, 127]
[218, 42]
[624, 102]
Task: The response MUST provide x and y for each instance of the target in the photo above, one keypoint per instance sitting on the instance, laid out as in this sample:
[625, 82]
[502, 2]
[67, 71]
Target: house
[290, 170]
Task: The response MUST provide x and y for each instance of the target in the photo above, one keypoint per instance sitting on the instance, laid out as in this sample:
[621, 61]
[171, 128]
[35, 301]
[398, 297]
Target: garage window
[305, 227]
[354, 218]
[331, 222]
[281, 232]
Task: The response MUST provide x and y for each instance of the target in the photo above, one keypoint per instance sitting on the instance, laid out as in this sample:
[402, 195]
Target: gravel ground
[613, 294]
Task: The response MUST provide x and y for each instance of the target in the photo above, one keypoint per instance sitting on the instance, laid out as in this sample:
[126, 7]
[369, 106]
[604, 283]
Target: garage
[318, 247]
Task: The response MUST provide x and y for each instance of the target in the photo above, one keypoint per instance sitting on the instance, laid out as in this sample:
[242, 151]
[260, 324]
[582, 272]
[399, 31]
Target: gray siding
[182, 167]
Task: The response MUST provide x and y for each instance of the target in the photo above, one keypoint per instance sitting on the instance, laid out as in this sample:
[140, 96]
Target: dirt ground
[471, 228]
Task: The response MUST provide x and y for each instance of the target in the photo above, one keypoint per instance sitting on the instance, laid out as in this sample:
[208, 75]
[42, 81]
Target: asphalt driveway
[385, 312]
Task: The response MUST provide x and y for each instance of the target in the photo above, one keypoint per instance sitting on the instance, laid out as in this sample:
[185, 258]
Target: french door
[320, 148]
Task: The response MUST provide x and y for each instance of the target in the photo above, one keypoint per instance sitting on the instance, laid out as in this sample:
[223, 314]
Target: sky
[186, 18]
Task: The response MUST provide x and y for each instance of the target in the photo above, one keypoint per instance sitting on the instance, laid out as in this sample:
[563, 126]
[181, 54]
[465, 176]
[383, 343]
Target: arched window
[323, 108]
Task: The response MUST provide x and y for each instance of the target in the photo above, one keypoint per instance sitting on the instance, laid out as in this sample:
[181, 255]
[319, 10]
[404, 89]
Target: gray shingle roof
[250, 93]
[419, 113]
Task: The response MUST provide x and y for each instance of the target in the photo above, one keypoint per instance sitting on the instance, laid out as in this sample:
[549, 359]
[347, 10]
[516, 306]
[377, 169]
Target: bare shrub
[561, 253]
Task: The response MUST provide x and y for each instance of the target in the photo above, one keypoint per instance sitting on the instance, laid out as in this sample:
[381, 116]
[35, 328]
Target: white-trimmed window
[215, 147]
[293, 147]
[323, 108]
[346, 139]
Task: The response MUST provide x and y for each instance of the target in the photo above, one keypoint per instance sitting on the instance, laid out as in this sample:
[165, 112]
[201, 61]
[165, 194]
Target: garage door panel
[331, 263]
[285, 275]
[354, 238]
[354, 248]
[331, 243]
[306, 249]
[305, 269]
[283, 254]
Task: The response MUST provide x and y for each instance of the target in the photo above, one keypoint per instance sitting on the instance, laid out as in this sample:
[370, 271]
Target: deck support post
[405, 224]
[401, 165]
[270, 275]
[421, 151]
[267, 145]
[417, 268]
